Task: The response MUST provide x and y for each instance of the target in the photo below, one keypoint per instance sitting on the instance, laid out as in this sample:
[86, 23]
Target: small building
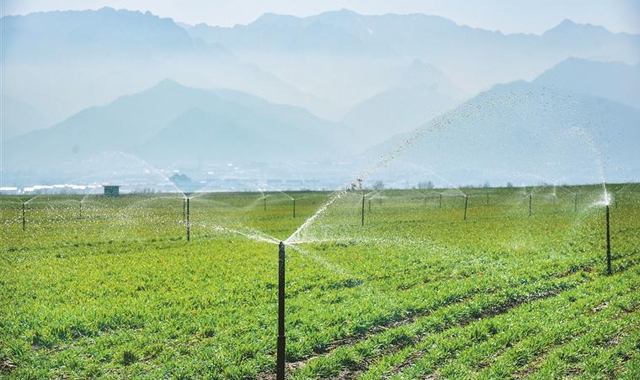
[111, 190]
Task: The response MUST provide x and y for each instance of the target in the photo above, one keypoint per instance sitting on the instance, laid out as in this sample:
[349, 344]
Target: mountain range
[338, 87]
[171, 124]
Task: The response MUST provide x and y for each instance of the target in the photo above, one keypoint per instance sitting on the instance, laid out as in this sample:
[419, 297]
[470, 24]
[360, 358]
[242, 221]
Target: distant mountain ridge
[171, 123]
[496, 57]
[97, 56]
[611, 80]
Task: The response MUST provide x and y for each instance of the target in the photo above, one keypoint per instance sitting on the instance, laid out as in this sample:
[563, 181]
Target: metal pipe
[294, 208]
[440, 200]
[362, 215]
[265, 203]
[575, 202]
[608, 244]
[188, 223]
[466, 203]
[24, 220]
[280, 359]
[530, 211]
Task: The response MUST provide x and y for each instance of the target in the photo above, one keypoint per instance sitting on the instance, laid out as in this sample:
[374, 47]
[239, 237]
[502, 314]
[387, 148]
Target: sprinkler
[440, 200]
[530, 205]
[280, 359]
[369, 204]
[575, 202]
[80, 210]
[24, 220]
[608, 244]
[188, 222]
[184, 210]
[265, 202]
[294, 208]
[466, 203]
[362, 216]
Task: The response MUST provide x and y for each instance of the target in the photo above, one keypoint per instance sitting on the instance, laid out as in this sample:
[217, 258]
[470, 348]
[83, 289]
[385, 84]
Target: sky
[509, 16]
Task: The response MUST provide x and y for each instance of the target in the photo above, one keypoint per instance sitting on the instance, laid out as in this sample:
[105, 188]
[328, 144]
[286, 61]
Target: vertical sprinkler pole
[188, 223]
[362, 215]
[80, 210]
[294, 208]
[466, 203]
[369, 204]
[440, 200]
[529, 204]
[265, 202]
[24, 220]
[184, 210]
[575, 202]
[608, 244]
[280, 359]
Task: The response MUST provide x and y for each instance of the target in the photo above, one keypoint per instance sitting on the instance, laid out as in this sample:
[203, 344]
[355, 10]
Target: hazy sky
[506, 15]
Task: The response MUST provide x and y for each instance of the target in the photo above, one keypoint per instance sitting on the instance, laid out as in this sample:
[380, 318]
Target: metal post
[265, 203]
[466, 202]
[362, 216]
[280, 359]
[369, 204]
[529, 204]
[575, 202]
[608, 244]
[184, 210]
[440, 200]
[80, 209]
[294, 208]
[24, 220]
[188, 223]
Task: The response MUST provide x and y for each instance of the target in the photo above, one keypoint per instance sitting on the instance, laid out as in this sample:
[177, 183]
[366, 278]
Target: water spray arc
[280, 358]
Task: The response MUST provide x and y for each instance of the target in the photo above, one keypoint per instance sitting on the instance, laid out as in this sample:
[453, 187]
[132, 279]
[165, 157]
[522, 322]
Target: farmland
[110, 288]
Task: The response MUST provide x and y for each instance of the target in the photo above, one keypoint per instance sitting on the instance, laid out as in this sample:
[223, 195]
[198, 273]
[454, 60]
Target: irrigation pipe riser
[280, 358]
[362, 216]
[466, 203]
[608, 243]
[24, 220]
[188, 222]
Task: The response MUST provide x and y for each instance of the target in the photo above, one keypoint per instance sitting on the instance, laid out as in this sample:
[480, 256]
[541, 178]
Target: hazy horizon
[506, 16]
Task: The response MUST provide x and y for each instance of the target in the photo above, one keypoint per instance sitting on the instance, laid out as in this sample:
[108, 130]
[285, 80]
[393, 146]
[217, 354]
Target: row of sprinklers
[281, 338]
[366, 198]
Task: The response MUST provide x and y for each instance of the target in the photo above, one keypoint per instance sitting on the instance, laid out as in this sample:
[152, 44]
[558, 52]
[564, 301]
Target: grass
[110, 288]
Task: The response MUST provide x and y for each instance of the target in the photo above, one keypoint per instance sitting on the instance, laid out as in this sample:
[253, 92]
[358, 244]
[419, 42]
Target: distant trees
[425, 185]
[378, 185]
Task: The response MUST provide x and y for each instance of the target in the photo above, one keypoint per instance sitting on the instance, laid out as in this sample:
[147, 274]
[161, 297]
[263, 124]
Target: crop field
[515, 287]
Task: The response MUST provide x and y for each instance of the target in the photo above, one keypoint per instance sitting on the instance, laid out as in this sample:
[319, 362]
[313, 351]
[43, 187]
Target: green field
[110, 288]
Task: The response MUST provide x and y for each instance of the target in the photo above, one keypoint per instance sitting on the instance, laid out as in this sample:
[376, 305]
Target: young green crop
[110, 287]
